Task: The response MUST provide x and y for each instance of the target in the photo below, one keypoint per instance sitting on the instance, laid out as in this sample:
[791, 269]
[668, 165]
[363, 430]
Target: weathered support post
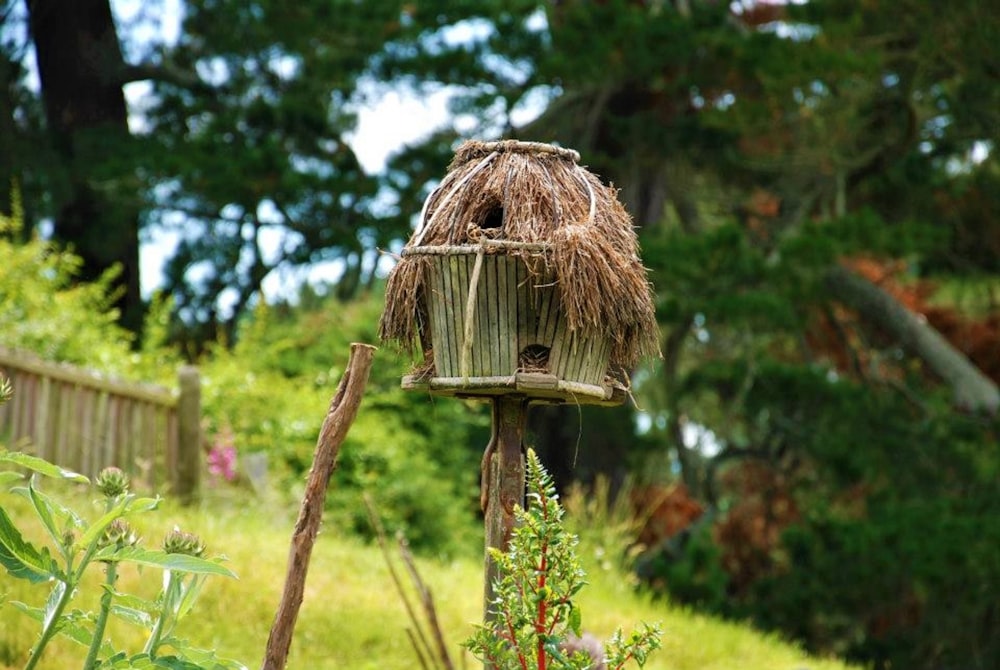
[186, 476]
[504, 485]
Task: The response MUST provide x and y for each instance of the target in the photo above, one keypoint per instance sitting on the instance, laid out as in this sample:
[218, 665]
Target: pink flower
[222, 455]
[222, 462]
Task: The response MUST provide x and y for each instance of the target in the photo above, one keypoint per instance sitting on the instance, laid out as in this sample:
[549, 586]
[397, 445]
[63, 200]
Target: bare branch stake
[340, 416]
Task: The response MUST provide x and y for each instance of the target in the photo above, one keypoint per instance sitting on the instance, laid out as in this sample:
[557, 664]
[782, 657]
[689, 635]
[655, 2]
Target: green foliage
[898, 509]
[271, 89]
[348, 621]
[534, 613]
[900, 572]
[695, 575]
[870, 127]
[75, 546]
[893, 487]
[45, 311]
[417, 457]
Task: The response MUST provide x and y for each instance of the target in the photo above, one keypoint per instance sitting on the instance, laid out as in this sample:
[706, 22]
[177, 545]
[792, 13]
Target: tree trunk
[7, 134]
[973, 390]
[80, 66]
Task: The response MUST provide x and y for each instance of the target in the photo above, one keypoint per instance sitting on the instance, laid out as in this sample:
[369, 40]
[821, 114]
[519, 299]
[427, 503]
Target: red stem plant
[535, 618]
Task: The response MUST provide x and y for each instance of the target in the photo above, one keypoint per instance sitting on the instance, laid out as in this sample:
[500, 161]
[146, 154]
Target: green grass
[351, 616]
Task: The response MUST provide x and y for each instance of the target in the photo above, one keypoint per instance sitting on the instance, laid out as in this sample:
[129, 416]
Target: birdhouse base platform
[539, 387]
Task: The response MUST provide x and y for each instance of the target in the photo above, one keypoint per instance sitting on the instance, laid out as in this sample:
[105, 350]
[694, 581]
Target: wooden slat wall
[85, 422]
[513, 310]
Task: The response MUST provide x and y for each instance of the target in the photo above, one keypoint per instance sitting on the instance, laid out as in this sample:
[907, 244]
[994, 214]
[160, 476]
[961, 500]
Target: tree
[260, 99]
[764, 150]
[241, 146]
[79, 63]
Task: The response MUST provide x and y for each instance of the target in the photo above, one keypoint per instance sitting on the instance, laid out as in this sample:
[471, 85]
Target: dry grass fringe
[535, 193]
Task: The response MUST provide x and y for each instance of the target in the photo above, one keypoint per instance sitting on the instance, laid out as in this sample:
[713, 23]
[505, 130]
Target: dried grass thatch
[555, 212]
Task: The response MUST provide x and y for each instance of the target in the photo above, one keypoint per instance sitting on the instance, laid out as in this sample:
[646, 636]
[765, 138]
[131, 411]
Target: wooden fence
[85, 422]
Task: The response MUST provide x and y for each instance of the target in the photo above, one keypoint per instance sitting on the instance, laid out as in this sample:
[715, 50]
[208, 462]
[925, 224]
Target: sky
[384, 127]
[386, 123]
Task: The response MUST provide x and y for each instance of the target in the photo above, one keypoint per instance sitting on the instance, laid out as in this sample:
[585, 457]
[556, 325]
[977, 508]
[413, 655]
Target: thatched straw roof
[526, 192]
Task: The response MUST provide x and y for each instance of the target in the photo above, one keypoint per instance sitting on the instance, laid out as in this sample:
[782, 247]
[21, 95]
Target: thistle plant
[76, 545]
[534, 618]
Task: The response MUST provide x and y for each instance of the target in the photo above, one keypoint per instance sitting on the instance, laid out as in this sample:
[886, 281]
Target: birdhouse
[523, 276]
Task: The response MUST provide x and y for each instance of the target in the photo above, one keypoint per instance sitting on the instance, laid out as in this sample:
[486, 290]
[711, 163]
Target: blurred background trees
[816, 186]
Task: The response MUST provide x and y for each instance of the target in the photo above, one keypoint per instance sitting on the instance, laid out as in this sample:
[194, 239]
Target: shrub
[536, 622]
[419, 459]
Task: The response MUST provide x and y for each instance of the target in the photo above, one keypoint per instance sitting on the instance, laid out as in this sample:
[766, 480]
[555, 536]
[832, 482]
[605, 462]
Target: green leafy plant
[535, 622]
[77, 545]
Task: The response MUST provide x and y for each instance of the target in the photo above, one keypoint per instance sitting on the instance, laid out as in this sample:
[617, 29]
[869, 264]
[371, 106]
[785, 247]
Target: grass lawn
[351, 616]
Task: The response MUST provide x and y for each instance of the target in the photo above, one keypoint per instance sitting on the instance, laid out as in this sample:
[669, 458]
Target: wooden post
[505, 482]
[339, 417]
[186, 476]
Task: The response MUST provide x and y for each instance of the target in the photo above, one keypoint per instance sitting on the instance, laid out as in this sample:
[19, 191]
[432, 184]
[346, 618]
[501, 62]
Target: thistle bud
[179, 542]
[112, 482]
[119, 533]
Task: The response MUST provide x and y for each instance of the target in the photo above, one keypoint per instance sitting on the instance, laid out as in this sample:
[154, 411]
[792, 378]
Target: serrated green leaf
[114, 661]
[41, 466]
[72, 627]
[69, 626]
[63, 515]
[43, 508]
[139, 505]
[134, 616]
[138, 661]
[136, 603]
[189, 596]
[58, 591]
[174, 663]
[161, 559]
[21, 558]
[204, 658]
[9, 476]
[33, 612]
[575, 620]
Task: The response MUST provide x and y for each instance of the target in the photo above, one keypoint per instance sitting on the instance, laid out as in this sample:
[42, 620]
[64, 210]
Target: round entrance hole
[533, 358]
[493, 220]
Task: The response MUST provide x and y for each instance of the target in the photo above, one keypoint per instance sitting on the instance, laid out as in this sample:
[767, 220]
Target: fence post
[187, 473]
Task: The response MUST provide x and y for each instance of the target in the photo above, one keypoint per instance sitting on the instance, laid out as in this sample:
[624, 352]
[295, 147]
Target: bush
[417, 457]
[891, 519]
[269, 392]
[45, 311]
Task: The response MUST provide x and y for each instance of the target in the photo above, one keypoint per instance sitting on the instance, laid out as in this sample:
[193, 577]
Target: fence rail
[85, 422]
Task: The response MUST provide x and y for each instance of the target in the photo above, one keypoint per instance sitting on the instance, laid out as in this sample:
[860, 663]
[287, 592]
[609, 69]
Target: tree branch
[340, 416]
[972, 389]
[166, 73]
